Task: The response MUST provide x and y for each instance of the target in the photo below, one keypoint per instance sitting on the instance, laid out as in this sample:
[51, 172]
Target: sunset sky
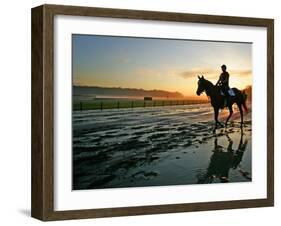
[171, 65]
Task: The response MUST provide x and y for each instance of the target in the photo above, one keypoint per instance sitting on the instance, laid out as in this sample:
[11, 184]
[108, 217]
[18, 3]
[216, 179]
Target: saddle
[230, 92]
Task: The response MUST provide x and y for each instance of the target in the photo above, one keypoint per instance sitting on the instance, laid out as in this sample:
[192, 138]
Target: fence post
[118, 105]
[101, 106]
[80, 106]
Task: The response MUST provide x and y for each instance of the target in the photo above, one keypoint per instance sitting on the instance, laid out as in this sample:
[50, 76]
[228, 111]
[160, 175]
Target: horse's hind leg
[230, 113]
[241, 114]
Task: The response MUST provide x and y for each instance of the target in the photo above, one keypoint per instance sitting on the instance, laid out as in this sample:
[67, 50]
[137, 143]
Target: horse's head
[201, 85]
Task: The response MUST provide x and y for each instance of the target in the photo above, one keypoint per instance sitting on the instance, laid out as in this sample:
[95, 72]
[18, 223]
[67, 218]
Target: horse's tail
[244, 98]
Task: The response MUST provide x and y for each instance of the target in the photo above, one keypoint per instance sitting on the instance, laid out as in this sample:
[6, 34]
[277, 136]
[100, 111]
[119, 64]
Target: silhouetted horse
[217, 99]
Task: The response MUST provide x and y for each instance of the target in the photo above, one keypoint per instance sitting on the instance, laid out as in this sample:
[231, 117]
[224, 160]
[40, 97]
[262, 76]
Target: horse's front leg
[216, 111]
[230, 114]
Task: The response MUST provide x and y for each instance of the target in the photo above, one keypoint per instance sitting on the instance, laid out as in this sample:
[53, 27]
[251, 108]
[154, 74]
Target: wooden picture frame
[42, 205]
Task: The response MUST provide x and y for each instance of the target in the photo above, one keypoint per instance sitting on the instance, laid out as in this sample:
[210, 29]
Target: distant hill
[116, 91]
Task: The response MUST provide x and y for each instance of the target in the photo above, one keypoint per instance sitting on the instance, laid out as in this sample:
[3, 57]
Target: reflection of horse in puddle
[223, 160]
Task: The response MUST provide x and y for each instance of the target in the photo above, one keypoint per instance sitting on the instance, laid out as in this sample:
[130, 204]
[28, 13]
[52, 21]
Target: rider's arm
[218, 81]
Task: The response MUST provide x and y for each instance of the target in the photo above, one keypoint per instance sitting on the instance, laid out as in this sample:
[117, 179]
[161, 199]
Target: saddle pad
[230, 92]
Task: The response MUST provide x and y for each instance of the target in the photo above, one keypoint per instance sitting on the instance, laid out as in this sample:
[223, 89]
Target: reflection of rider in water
[239, 153]
[222, 161]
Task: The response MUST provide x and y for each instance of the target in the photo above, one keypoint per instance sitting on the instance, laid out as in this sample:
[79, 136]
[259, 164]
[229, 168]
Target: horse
[218, 100]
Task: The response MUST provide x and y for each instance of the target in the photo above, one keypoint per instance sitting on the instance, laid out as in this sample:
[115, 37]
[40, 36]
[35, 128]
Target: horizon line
[114, 87]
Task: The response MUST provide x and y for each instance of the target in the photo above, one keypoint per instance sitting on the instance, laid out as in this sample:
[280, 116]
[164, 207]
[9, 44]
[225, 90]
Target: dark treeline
[116, 91]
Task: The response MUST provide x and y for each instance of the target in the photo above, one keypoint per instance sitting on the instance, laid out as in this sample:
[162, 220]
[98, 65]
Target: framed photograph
[142, 112]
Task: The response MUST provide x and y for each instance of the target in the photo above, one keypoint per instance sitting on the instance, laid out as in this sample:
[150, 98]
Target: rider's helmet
[223, 67]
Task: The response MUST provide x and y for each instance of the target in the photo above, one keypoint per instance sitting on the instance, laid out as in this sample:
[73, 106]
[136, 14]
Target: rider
[223, 82]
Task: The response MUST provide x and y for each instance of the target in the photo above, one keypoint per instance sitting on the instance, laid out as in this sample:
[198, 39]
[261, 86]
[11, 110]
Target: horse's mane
[208, 82]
